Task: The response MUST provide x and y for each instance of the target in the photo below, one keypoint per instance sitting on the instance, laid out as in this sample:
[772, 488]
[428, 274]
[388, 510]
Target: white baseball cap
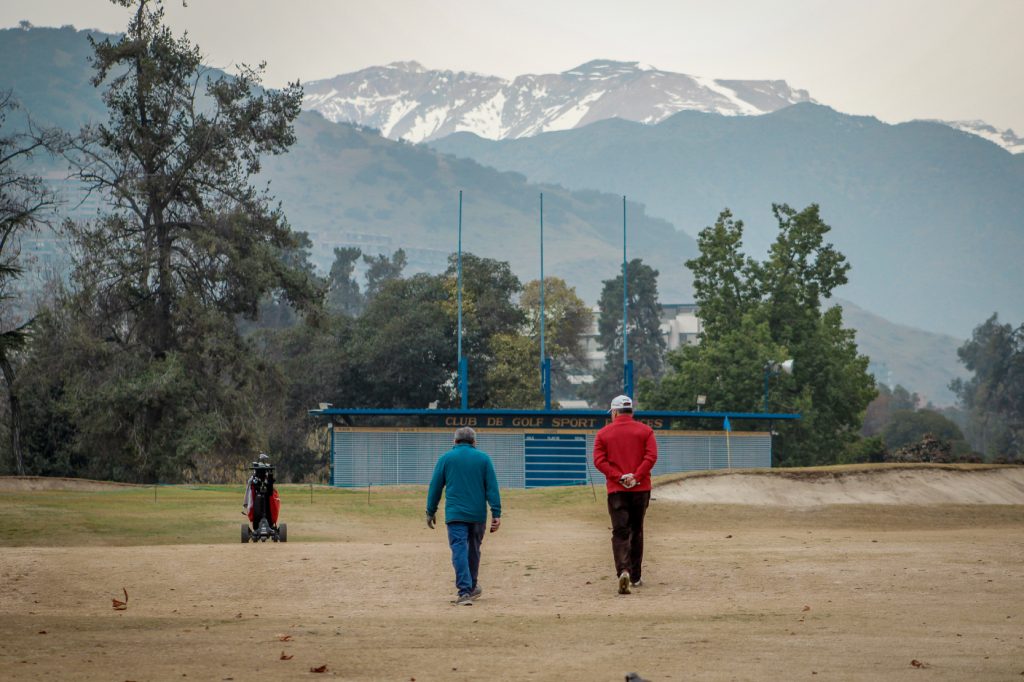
[622, 402]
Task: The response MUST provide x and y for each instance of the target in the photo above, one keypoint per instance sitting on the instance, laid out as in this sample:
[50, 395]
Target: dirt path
[733, 593]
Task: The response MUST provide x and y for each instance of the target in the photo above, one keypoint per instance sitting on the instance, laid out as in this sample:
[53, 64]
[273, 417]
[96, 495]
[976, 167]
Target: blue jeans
[464, 540]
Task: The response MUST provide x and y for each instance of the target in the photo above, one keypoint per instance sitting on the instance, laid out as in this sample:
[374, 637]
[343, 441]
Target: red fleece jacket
[623, 447]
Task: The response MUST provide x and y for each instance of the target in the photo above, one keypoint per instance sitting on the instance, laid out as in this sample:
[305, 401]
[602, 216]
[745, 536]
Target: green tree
[994, 395]
[646, 343]
[908, 426]
[164, 385]
[728, 372]
[404, 345]
[755, 313]
[725, 280]
[489, 289]
[513, 376]
[25, 204]
[382, 269]
[871, 449]
[566, 320]
[830, 388]
[343, 295]
[800, 271]
[880, 410]
[314, 363]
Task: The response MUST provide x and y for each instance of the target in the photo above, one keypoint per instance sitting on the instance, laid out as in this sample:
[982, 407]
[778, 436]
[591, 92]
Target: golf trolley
[263, 505]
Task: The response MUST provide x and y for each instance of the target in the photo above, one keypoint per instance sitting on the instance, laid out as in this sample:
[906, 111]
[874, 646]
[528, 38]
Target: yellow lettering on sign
[460, 421]
[527, 421]
[573, 422]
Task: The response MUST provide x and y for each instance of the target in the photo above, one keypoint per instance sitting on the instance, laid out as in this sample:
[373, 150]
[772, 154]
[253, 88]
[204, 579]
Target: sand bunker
[794, 488]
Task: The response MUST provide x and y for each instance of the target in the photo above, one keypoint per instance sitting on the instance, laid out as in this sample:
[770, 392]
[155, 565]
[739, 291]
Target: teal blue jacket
[470, 484]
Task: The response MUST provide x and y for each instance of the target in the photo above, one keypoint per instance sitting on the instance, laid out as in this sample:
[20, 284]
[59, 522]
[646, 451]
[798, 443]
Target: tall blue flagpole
[462, 363]
[542, 279]
[545, 363]
[627, 369]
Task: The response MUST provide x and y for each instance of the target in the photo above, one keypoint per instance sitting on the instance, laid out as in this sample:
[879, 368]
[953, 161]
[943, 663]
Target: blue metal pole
[330, 458]
[627, 379]
[464, 382]
[462, 365]
[542, 356]
[546, 379]
[767, 377]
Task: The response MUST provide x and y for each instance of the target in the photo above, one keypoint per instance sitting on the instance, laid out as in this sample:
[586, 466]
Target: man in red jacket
[625, 452]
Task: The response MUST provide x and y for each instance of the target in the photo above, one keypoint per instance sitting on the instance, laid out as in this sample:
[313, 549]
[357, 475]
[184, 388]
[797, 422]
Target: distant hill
[346, 186]
[931, 219]
[49, 70]
[920, 361]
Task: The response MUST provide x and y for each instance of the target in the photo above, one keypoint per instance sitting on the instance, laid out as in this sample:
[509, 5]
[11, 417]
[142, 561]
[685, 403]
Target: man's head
[465, 434]
[621, 404]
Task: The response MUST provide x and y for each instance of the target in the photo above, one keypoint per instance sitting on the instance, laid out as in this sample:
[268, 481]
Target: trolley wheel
[282, 532]
[245, 533]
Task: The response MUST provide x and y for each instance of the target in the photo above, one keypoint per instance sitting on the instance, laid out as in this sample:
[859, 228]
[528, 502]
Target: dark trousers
[627, 511]
[464, 540]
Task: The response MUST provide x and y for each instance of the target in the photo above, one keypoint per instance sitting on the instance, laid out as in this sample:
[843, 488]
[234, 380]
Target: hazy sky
[894, 59]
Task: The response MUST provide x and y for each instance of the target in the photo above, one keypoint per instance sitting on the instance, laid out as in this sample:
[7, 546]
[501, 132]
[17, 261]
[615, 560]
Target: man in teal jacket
[470, 484]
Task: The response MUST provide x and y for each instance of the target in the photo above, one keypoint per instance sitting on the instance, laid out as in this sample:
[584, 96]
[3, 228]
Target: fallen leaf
[286, 657]
[918, 664]
[42, 632]
[806, 608]
[284, 638]
[727, 537]
[321, 669]
[121, 605]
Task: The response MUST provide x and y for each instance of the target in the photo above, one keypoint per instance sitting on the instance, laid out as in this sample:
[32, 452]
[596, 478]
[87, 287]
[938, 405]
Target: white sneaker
[624, 583]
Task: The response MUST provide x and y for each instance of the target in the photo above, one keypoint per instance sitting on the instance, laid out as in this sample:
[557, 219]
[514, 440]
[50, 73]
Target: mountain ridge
[435, 103]
[404, 100]
[934, 210]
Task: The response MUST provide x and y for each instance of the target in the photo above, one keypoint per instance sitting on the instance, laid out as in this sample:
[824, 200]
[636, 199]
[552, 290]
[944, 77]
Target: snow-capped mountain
[406, 101]
[1006, 139]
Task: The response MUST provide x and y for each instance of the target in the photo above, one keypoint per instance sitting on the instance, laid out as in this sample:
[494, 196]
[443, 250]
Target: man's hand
[431, 520]
[495, 524]
[628, 480]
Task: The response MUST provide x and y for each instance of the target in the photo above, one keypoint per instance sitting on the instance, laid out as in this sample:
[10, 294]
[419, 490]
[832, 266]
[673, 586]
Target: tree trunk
[12, 397]
[165, 283]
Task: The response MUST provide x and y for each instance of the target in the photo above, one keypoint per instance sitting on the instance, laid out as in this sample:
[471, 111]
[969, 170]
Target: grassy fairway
[170, 515]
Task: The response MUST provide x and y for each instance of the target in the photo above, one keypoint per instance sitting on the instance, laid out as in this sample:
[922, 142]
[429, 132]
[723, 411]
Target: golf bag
[263, 505]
